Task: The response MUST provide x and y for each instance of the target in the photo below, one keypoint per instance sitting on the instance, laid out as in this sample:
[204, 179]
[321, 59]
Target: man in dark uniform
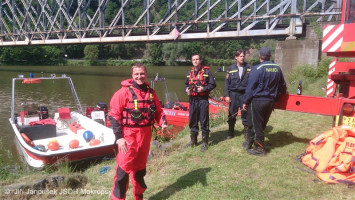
[265, 82]
[198, 84]
[235, 84]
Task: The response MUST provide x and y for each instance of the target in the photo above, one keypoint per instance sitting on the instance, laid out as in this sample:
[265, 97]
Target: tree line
[170, 54]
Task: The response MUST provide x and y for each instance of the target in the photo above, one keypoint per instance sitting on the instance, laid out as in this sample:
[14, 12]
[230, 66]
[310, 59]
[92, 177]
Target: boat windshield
[29, 109]
[171, 97]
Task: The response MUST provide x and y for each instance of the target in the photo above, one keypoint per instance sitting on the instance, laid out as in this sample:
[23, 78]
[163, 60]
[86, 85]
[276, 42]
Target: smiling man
[133, 110]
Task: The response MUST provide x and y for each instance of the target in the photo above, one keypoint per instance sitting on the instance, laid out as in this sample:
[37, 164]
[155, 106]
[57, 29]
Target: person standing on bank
[198, 84]
[235, 84]
[133, 110]
[265, 83]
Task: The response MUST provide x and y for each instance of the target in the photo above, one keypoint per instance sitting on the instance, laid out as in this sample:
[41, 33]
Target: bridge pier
[291, 53]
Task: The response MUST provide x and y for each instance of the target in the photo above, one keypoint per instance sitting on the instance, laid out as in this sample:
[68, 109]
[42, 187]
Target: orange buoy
[94, 142]
[31, 80]
[27, 140]
[73, 144]
[53, 146]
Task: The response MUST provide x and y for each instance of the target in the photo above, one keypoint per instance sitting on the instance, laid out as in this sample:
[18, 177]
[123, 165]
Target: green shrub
[313, 78]
[162, 137]
[218, 119]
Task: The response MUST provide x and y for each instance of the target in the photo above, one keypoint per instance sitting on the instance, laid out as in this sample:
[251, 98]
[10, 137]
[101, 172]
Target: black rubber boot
[230, 131]
[249, 138]
[258, 150]
[245, 132]
[204, 145]
[193, 142]
[247, 144]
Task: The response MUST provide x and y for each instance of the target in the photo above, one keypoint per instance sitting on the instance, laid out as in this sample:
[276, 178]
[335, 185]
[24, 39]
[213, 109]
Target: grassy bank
[225, 171]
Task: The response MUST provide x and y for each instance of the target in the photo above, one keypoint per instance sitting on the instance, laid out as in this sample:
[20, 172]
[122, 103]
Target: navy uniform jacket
[265, 82]
[233, 82]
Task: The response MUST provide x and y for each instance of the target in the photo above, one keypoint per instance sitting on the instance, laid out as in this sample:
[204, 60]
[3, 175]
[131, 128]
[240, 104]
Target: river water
[90, 89]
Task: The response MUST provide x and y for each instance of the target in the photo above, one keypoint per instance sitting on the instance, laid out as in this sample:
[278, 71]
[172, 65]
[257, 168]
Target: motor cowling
[101, 106]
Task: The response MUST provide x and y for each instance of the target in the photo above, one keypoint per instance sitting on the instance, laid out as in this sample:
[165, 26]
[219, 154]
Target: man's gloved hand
[188, 91]
[245, 107]
[199, 89]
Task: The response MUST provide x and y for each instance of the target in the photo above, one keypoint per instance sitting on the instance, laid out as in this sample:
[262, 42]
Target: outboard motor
[101, 106]
[43, 112]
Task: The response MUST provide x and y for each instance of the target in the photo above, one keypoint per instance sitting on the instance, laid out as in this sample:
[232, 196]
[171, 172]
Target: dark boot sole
[190, 145]
[251, 152]
[204, 148]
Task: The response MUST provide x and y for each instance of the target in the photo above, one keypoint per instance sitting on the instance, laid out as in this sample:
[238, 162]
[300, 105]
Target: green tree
[91, 53]
[53, 55]
[110, 12]
[171, 52]
[155, 53]
[190, 48]
[32, 55]
[74, 51]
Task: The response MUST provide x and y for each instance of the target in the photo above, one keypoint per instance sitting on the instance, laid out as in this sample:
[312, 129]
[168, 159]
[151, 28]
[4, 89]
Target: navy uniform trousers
[258, 117]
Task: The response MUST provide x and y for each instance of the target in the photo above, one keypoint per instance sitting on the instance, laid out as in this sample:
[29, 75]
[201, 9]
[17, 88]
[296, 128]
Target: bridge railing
[35, 22]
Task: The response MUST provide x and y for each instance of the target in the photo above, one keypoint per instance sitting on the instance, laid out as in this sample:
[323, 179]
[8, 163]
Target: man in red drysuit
[133, 110]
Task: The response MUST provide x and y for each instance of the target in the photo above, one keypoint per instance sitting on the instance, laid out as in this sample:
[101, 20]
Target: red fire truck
[338, 41]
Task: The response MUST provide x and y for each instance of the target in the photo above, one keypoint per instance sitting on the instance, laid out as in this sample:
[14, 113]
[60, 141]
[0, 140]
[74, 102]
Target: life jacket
[332, 155]
[139, 112]
[200, 79]
[344, 158]
[348, 178]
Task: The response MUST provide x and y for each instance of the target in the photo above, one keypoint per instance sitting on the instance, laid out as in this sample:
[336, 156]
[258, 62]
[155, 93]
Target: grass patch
[226, 171]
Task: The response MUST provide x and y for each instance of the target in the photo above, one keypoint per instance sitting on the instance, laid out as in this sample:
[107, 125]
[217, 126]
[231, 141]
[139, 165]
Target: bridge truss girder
[39, 22]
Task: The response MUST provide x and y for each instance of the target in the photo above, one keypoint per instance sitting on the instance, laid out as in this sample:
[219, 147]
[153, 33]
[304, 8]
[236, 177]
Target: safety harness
[139, 112]
[200, 79]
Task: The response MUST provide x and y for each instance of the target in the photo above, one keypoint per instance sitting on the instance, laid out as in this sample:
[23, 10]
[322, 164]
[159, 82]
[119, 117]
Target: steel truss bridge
[39, 22]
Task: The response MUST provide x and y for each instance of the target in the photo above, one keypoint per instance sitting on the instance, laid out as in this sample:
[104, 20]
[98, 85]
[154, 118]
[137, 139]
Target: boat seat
[37, 132]
[64, 118]
[99, 116]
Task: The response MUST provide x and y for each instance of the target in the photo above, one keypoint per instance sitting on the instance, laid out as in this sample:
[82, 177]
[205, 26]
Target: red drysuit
[136, 133]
